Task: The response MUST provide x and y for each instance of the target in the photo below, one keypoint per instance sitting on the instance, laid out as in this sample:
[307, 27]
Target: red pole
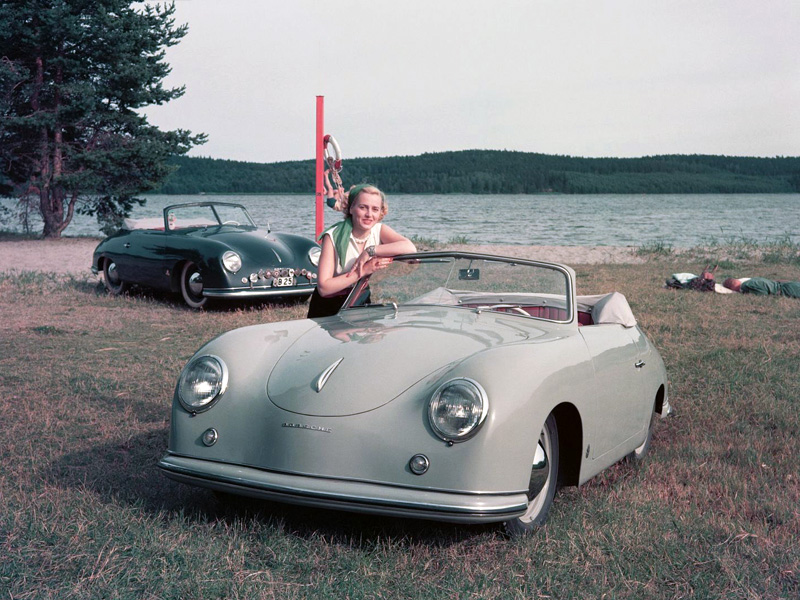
[320, 197]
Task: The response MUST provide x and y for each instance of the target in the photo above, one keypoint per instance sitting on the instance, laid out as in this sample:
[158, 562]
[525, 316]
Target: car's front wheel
[192, 286]
[111, 278]
[542, 483]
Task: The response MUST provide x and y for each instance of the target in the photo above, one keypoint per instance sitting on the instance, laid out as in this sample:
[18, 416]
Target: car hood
[270, 247]
[363, 358]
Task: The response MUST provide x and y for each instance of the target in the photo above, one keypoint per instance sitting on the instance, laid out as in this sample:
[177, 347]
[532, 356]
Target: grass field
[86, 382]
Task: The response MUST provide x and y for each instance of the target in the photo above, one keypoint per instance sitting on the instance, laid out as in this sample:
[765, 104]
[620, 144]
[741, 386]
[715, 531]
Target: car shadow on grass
[174, 300]
[126, 473]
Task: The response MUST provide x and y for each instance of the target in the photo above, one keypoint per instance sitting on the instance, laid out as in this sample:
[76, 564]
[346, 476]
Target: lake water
[557, 220]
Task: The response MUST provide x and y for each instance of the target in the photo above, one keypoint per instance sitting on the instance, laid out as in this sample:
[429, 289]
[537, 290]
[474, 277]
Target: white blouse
[373, 239]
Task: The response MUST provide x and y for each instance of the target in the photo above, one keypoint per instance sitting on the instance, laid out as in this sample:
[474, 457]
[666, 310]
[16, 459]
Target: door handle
[126, 245]
[639, 364]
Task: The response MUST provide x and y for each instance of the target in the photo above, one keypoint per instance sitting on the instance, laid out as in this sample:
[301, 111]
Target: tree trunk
[52, 195]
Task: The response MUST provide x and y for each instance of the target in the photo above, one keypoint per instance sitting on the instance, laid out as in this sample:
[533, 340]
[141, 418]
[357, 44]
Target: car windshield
[207, 215]
[475, 283]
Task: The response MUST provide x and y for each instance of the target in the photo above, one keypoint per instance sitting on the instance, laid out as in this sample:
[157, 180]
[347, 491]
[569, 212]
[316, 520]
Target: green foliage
[73, 77]
[655, 248]
[776, 252]
[111, 211]
[500, 172]
[781, 251]
[15, 236]
[458, 239]
[424, 244]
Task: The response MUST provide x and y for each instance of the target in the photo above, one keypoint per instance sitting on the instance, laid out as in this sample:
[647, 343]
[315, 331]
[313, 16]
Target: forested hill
[500, 172]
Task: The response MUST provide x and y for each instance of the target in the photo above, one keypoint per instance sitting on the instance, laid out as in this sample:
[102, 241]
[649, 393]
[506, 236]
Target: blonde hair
[356, 190]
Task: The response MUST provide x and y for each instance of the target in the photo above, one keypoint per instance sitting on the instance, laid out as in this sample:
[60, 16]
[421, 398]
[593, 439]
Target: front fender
[525, 383]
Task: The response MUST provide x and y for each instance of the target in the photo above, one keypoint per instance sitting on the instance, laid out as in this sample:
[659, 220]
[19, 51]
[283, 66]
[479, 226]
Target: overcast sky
[584, 78]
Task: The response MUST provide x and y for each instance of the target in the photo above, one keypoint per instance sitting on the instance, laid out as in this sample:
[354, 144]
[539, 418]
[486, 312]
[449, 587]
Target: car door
[142, 258]
[618, 383]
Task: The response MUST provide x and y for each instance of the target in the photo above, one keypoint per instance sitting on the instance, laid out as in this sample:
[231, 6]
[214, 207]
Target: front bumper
[257, 291]
[349, 495]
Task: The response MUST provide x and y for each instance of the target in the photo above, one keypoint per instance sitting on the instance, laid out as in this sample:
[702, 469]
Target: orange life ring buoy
[334, 161]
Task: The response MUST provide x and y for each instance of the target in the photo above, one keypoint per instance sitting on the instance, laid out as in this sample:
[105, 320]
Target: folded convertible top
[607, 308]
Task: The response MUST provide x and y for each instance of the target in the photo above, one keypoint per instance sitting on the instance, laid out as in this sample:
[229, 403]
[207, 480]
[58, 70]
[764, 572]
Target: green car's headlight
[231, 261]
[313, 255]
[457, 409]
[202, 382]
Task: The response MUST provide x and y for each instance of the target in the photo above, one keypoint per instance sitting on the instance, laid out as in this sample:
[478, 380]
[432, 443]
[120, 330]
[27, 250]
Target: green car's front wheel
[542, 483]
[111, 279]
[192, 286]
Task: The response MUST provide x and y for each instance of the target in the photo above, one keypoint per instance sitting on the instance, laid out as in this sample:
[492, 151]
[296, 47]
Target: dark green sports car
[207, 250]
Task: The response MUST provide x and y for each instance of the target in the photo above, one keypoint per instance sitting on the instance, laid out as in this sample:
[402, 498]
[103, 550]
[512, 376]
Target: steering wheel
[230, 222]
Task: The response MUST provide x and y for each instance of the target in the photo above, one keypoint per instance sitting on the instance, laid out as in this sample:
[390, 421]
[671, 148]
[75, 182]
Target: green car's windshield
[206, 215]
[476, 283]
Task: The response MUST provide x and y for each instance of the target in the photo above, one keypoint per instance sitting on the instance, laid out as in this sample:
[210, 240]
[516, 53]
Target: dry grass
[86, 383]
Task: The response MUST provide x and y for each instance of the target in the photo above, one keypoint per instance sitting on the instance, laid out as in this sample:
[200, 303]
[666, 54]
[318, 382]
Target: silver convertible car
[451, 386]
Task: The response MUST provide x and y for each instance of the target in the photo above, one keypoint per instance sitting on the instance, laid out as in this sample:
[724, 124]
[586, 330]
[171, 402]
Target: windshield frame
[210, 204]
[360, 287]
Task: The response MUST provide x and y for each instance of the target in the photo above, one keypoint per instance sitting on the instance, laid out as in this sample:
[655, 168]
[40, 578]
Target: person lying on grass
[762, 286]
[704, 283]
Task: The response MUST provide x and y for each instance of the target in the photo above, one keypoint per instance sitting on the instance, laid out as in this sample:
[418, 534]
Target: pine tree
[73, 74]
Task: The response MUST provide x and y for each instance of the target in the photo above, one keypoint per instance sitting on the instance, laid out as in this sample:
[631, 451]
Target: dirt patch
[65, 256]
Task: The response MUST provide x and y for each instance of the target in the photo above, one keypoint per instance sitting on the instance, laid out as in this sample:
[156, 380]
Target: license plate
[283, 282]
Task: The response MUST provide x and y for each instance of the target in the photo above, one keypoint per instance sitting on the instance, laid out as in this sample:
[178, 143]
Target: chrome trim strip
[349, 495]
[259, 291]
[320, 381]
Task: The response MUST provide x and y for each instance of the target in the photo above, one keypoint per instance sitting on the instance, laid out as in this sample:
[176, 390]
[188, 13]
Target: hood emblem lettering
[308, 427]
[322, 379]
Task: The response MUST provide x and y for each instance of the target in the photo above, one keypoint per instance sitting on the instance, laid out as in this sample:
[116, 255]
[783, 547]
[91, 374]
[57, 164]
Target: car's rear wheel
[640, 452]
[192, 286]
[111, 279]
[542, 483]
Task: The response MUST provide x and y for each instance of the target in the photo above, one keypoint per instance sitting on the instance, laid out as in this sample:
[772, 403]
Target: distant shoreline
[498, 172]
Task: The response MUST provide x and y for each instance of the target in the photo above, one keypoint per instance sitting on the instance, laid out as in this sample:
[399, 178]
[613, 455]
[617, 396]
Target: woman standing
[358, 246]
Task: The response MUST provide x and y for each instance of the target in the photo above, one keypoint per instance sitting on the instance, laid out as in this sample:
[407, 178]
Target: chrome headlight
[313, 255]
[202, 382]
[231, 261]
[457, 409]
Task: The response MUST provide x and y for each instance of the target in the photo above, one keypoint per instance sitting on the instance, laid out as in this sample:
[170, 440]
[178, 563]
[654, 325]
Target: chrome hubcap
[540, 478]
[113, 276]
[196, 283]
